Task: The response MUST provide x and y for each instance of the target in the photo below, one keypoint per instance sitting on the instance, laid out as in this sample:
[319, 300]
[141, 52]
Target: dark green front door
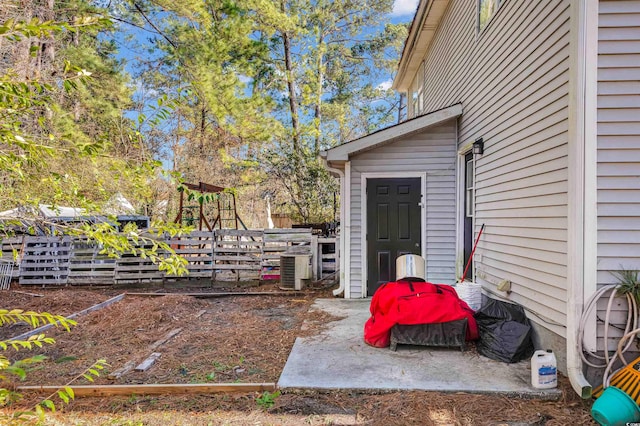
[393, 226]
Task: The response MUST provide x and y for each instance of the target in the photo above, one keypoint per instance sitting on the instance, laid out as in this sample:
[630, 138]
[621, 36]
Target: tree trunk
[296, 152]
[203, 126]
[23, 61]
[76, 103]
[49, 46]
[46, 46]
[318, 108]
[293, 103]
[176, 144]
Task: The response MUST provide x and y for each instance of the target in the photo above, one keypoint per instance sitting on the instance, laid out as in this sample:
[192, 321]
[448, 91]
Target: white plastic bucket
[544, 370]
[470, 293]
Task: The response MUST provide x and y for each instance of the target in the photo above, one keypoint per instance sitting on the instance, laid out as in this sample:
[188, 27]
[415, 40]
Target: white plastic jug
[544, 372]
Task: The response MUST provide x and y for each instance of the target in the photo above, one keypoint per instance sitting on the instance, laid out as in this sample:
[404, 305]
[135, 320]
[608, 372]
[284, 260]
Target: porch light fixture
[478, 147]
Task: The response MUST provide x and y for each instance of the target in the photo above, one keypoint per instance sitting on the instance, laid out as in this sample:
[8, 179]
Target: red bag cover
[410, 303]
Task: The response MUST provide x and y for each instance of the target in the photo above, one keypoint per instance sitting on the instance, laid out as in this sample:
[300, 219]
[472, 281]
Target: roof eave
[421, 33]
[342, 153]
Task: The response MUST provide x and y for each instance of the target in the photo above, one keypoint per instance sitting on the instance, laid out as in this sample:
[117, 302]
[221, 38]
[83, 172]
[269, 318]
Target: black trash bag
[505, 332]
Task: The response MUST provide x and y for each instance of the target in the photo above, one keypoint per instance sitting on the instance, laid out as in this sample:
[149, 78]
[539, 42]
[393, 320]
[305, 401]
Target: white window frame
[461, 194]
[416, 93]
[470, 191]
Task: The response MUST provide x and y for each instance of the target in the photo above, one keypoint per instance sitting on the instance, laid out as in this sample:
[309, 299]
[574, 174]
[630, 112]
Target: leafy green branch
[65, 393]
[629, 282]
[19, 368]
[149, 244]
[16, 30]
[33, 319]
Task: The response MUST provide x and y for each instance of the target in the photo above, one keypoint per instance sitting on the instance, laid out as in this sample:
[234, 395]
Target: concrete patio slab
[338, 358]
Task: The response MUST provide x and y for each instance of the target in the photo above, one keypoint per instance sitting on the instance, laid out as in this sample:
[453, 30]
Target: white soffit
[342, 152]
[422, 30]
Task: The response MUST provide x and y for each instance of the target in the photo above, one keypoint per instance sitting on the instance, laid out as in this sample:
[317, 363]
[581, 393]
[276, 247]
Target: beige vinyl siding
[432, 152]
[513, 80]
[618, 145]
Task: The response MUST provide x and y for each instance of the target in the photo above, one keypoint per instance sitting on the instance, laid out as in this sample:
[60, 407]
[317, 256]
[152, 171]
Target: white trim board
[347, 230]
[460, 213]
[582, 230]
[363, 215]
[343, 152]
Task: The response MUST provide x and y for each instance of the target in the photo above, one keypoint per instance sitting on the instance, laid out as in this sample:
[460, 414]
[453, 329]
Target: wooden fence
[10, 249]
[45, 260]
[220, 255]
[88, 266]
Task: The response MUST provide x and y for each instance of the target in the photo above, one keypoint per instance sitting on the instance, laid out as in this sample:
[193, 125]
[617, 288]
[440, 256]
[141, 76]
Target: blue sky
[404, 9]
[403, 12]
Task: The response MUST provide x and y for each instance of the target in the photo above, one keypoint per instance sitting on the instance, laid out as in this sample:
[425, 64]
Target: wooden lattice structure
[226, 216]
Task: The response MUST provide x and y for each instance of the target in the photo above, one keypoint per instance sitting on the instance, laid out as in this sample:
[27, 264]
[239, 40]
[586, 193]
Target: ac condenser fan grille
[288, 271]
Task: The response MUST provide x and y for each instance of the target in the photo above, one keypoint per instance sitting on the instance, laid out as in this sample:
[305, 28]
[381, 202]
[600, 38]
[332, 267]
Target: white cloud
[140, 89]
[244, 79]
[404, 7]
[385, 85]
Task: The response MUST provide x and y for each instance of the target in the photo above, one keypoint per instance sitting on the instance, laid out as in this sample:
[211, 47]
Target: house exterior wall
[513, 82]
[432, 153]
[618, 157]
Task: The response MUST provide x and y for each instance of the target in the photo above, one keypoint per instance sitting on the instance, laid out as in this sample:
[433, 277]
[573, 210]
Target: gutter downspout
[582, 143]
[340, 173]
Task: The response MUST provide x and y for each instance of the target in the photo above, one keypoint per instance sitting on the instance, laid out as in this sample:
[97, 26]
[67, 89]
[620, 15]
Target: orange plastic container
[627, 380]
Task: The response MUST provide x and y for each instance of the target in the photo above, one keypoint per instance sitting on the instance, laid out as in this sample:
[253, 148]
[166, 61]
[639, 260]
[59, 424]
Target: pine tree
[262, 87]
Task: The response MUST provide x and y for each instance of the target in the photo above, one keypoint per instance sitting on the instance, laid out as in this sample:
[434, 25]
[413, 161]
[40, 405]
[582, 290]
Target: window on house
[486, 10]
[403, 112]
[468, 183]
[417, 91]
[414, 103]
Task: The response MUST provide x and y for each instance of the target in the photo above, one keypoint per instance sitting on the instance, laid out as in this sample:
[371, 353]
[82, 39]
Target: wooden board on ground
[148, 363]
[93, 308]
[165, 339]
[155, 389]
[126, 368]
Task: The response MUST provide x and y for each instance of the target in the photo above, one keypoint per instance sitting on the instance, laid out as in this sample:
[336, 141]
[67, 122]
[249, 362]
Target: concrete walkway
[338, 358]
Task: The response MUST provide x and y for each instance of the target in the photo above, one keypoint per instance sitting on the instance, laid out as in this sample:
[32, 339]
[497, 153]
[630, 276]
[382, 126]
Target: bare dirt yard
[232, 339]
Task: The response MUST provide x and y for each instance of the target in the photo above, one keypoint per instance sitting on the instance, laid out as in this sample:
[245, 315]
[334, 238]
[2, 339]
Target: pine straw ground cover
[237, 339]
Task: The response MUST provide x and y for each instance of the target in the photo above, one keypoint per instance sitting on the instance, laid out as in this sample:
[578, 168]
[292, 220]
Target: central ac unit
[295, 269]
